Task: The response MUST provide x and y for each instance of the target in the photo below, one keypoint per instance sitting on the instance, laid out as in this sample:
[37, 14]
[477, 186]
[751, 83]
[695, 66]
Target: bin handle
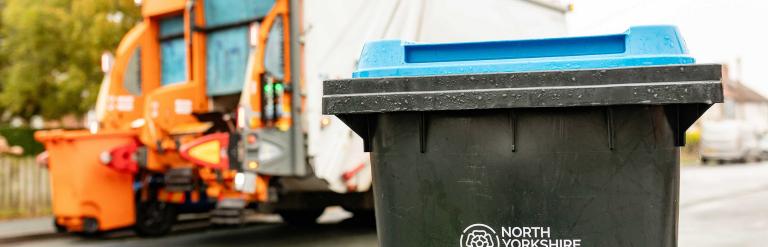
[516, 49]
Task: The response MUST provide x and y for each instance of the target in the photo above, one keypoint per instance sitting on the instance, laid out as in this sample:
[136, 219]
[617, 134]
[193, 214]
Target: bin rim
[60, 134]
[650, 85]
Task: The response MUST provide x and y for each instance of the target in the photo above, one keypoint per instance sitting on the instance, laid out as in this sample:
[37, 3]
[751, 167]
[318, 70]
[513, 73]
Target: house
[741, 103]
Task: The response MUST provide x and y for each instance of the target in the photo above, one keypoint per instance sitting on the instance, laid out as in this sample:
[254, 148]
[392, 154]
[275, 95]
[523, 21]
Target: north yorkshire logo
[482, 235]
[479, 235]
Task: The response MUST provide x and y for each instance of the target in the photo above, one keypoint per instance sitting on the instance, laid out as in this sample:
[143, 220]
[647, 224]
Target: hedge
[23, 137]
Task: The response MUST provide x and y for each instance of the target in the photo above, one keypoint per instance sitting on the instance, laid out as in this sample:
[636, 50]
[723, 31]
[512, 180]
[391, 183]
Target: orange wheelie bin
[87, 195]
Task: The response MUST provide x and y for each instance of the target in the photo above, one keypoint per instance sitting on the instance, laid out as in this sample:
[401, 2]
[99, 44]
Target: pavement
[719, 206]
[21, 228]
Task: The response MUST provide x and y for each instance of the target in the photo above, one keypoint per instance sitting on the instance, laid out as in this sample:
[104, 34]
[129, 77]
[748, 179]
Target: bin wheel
[59, 228]
[364, 217]
[90, 228]
[154, 218]
[301, 217]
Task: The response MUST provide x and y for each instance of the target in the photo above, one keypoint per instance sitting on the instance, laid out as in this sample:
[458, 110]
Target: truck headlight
[245, 182]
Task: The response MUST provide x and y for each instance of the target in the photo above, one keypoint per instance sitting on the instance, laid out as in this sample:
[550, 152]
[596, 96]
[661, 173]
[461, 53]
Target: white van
[728, 140]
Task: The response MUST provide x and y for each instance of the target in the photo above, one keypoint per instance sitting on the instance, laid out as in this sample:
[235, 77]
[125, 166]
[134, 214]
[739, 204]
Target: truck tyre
[301, 217]
[154, 218]
[364, 217]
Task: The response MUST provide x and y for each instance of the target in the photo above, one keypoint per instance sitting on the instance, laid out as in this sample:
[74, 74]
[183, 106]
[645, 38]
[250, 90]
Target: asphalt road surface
[724, 206]
[337, 228]
[719, 206]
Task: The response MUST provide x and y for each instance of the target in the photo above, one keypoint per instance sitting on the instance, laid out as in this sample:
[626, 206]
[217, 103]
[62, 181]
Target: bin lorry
[173, 81]
[215, 105]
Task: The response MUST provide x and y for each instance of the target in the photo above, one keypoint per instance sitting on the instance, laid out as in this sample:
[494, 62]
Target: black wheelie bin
[559, 142]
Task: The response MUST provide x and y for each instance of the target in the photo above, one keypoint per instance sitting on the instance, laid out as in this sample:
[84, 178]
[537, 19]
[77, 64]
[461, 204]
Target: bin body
[84, 188]
[561, 142]
[561, 174]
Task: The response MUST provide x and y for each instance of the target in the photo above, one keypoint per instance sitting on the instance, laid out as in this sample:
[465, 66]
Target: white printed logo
[479, 235]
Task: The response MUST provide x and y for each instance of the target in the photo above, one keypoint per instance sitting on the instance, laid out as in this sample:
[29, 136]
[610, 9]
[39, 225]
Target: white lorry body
[336, 30]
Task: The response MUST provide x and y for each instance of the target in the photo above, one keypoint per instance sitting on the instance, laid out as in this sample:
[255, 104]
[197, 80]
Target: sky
[716, 31]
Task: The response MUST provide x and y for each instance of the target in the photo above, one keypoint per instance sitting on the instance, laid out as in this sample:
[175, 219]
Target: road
[724, 206]
[337, 228]
[719, 206]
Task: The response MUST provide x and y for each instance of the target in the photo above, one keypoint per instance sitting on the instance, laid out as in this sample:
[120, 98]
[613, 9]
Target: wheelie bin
[550, 142]
[87, 195]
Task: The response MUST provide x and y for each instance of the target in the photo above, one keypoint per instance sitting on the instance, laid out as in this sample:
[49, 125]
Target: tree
[50, 53]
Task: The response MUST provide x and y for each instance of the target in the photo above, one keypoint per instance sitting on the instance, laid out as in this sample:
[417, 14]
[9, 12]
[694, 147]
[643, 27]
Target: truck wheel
[301, 217]
[364, 217]
[154, 218]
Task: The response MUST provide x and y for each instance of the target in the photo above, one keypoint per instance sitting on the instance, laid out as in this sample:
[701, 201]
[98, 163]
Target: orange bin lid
[59, 134]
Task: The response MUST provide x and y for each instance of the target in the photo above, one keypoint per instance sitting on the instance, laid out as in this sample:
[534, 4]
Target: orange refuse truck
[166, 117]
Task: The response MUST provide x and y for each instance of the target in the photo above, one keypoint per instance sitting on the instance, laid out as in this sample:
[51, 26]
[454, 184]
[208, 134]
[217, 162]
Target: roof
[738, 92]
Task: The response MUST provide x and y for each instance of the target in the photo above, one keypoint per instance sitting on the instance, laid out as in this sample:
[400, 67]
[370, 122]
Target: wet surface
[653, 85]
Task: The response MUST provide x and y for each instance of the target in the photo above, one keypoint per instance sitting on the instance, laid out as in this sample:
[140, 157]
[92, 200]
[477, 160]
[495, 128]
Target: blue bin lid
[638, 46]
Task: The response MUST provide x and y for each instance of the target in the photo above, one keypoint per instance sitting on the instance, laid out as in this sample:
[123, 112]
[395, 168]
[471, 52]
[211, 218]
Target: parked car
[762, 146]
[729, 141]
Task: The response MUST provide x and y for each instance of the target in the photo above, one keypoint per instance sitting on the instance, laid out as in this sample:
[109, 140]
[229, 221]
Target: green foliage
[23, 137]
[51, 49]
